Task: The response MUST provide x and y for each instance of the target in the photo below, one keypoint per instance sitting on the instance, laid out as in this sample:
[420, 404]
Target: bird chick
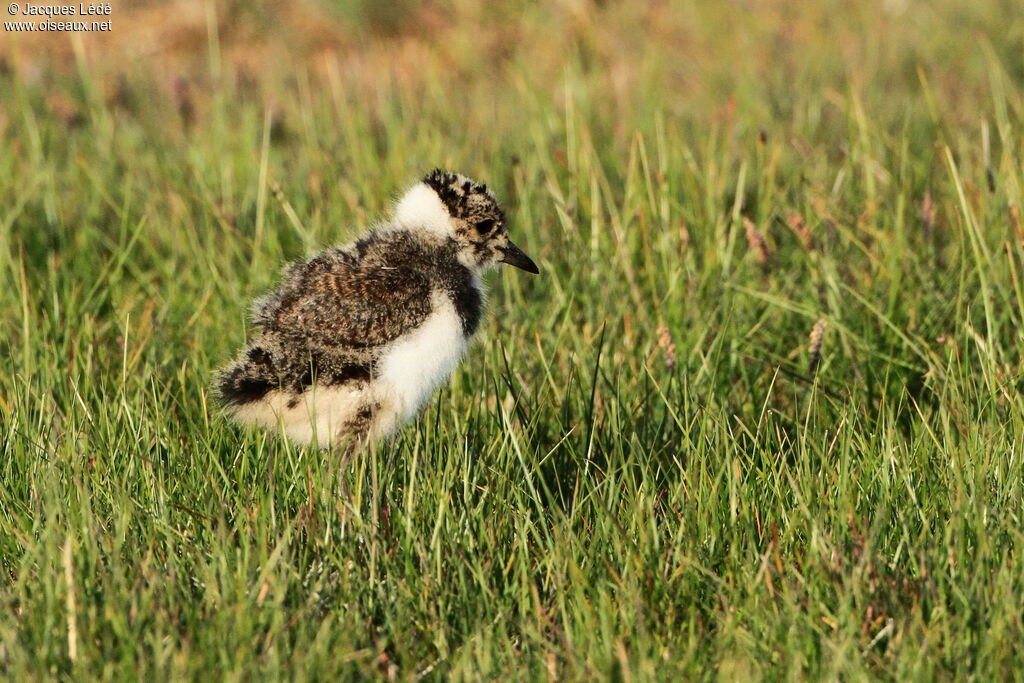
[356, 339]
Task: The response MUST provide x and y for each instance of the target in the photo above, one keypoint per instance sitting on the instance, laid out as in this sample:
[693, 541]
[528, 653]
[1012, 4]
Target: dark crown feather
[454, 190]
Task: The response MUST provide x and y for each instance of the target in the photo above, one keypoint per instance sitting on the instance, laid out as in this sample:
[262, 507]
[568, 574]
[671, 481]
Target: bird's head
[459, 208]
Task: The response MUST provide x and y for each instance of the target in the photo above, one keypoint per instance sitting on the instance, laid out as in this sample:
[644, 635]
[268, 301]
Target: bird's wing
[333, 301]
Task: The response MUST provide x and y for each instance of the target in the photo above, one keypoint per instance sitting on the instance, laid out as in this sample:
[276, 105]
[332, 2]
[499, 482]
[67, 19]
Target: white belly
[320, 413]
[408, 374]
[414, 367]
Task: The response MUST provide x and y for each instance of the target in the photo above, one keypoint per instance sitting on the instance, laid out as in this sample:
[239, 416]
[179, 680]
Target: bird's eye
[485, 226]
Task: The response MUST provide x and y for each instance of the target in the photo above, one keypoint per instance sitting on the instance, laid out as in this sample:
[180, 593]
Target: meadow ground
[643, 470]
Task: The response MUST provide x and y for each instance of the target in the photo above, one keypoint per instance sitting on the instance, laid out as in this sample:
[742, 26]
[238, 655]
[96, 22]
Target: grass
[640, 472]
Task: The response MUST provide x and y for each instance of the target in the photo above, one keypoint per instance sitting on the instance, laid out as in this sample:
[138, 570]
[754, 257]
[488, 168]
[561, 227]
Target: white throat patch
[420, 207]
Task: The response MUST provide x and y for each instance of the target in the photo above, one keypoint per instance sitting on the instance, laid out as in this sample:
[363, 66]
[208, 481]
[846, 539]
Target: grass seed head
[796, 223]
[667, 346]
[756, 242]
[928, 212]
[1018, 231]
[814, 348]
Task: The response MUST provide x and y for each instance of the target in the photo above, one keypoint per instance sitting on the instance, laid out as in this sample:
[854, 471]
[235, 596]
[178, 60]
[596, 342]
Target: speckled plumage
[356, 339]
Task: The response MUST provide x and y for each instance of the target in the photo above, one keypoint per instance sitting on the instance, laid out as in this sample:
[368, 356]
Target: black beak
[514, 256]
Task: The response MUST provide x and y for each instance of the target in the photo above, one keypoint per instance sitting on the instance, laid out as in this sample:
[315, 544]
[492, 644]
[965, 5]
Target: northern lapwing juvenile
[357, 339]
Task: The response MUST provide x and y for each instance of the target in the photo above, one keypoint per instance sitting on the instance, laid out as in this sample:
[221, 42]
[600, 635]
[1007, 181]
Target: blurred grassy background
[643, 470]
